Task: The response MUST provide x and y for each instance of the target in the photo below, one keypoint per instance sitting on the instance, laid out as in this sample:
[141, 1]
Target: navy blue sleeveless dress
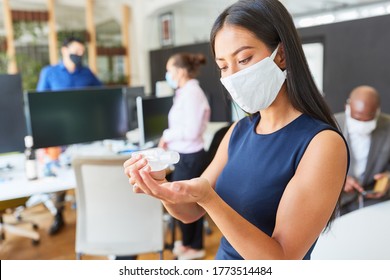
[258, 170]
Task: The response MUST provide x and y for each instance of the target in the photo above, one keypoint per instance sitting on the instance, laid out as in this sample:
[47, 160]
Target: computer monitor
[58, 118]
[12, 120]
[131, 95]
[152, 115]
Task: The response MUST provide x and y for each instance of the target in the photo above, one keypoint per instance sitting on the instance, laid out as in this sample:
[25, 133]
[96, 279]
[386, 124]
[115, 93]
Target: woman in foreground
[276, 178]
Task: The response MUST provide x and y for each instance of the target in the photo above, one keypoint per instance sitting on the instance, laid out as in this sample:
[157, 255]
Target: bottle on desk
[30, 160]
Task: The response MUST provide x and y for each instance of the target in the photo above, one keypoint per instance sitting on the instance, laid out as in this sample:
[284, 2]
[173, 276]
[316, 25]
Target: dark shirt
[57, 77]
[258, 170]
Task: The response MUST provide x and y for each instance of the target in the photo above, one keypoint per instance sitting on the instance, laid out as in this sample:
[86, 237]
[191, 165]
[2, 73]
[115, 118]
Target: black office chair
[15, 206]
[218, 136]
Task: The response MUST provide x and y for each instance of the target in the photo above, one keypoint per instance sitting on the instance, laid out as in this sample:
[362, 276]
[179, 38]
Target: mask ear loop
[272, 57]
[378, 112]
[273, 54]
[348, 110]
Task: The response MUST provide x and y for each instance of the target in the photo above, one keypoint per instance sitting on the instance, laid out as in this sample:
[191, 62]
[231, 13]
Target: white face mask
[171, 82]
[256, 87]
[359, 127]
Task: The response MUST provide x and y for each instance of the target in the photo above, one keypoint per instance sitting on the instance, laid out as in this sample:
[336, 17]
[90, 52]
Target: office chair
[362, 234]
[15, 205]
[217, 138]
[111, 219]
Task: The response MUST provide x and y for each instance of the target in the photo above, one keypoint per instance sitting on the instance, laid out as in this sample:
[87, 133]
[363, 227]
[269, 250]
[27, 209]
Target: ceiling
[72, 12]
[304, 7]
[296, 7]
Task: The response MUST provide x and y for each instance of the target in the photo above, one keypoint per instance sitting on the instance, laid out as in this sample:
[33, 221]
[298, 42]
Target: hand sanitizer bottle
[158, 158]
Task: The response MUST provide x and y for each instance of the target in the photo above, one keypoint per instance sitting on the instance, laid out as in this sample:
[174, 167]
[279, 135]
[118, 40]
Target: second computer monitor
[74, 116]
[152, 115]
[131, 94]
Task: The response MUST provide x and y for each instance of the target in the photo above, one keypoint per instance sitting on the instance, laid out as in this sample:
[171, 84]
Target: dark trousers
[191, 166]
[355, 205]
[59, 198]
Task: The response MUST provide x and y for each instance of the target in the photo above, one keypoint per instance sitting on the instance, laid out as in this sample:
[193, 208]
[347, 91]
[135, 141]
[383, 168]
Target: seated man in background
[67, 74]
[70, 72]
[367, 132]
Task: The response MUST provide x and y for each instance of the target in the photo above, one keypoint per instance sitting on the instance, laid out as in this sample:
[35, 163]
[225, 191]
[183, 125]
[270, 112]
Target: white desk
[15, 184]
[363, 234]
[20, 187]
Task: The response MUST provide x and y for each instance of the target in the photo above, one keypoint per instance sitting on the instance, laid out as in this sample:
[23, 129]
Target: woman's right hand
[139, 162]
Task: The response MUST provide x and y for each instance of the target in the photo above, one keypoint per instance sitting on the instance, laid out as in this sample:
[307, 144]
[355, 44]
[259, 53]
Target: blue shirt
[57, 77]
[258, 170]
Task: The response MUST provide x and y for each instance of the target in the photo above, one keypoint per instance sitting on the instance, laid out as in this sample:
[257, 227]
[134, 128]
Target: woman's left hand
[196, 190]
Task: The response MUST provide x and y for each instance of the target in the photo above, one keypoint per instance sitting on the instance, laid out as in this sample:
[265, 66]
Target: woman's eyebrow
[235, 52]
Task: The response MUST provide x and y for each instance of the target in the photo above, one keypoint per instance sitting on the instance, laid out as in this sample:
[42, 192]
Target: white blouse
[187, 119]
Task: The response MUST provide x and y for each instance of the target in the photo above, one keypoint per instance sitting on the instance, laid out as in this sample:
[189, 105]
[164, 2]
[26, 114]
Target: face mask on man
[256, 87]
[360, 127]
[171, 82]
[76, 59]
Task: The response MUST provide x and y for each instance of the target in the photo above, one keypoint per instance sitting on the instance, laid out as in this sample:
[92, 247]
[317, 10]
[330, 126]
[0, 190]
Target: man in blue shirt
[68, 74]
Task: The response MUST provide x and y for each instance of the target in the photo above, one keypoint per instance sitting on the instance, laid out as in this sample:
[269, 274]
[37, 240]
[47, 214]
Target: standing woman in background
[187, 119]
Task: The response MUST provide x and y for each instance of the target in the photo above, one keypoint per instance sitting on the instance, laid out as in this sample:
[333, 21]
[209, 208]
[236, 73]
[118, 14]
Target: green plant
[27, 66]
[29, 69]
[33, 28]
[3, 62]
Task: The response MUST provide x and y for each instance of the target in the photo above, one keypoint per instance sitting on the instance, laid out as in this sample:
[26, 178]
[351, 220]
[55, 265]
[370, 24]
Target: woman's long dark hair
[271, 23]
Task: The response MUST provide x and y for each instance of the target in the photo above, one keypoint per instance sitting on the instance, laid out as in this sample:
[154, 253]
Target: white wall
[192, 24]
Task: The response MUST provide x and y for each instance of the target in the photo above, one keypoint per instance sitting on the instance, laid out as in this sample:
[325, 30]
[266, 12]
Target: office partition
[355, 53]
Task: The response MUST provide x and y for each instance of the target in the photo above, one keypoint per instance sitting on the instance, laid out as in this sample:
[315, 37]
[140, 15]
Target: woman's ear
[182, 73]
[280, 58]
